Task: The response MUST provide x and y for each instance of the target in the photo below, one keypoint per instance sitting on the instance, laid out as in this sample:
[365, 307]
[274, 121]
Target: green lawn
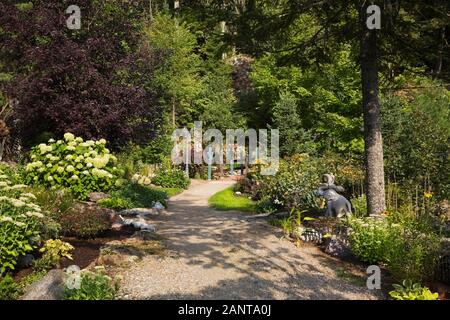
[228, 200]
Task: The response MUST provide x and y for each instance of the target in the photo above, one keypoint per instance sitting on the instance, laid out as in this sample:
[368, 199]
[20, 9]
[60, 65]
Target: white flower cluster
[141, 179]
[66, 161]
[17, 207]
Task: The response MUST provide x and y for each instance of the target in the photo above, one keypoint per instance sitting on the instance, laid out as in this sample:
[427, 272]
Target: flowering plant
[81, 166]
[20, 223]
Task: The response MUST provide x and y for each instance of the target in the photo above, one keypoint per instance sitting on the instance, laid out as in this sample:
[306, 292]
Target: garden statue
[336, 203]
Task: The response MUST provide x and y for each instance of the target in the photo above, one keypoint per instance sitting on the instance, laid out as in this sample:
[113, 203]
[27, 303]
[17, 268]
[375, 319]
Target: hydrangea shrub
[20, 222]
[80, 166]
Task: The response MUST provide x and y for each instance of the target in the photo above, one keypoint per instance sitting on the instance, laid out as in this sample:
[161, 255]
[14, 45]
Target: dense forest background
[137, 69]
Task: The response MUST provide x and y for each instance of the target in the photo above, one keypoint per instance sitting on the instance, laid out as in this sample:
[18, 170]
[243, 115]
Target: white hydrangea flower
[34, 214]
[68, 136]
[70, 168]
[19, 224]
[6, 219]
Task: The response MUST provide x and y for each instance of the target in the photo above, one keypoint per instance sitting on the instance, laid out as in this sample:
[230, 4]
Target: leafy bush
[359, 206]
[84, 221]
[134, 196]
[410, 291]
[369, 239]
[94, 286]
[292, 185]
[20, 223]
[82, 167]
[172, 178]
[409, 250]
[9, 290]
[53, 251]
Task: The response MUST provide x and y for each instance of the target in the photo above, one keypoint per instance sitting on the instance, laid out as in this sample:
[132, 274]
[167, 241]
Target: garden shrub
[292, 186]
[82, 167]
[84, 221]
[171, 178]
[94, 286]
[53, 251]
[359, 206]
[20, 223]
[409, 250]
[9, 290]
[369, 239]
[134, 196]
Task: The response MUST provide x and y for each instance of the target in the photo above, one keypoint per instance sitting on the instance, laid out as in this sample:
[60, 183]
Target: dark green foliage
[171, 178]
[9, 290]
[293, 184]
[417, 140]
[293, 138]
[134, 195]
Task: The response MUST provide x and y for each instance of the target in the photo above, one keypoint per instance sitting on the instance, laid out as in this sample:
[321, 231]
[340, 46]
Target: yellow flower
[428, 195]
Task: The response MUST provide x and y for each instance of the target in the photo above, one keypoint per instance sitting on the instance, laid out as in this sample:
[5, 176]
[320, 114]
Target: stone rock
[336, 247]
[139, 223]
[97, 196]
[25, 261]
[117, 226]
[158, 206]
[50, 287]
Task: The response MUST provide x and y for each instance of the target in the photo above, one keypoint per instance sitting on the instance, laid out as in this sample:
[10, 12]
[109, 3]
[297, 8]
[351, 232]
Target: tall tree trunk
[371, 110]
[173, 113]
[440, 53]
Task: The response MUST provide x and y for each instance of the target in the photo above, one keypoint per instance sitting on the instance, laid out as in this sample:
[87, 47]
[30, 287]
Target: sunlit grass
[228, 200]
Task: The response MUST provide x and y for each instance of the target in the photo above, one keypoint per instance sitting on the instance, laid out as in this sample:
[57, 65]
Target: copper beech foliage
[95, 82]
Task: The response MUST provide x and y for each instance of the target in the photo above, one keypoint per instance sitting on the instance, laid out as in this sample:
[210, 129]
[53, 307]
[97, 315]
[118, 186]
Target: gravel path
[224, 255]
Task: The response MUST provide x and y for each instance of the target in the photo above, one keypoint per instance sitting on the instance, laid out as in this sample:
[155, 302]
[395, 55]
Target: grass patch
[227, 200]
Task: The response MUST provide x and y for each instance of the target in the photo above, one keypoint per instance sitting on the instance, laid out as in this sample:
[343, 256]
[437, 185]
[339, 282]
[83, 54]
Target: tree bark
[375, 189]
[173, 113]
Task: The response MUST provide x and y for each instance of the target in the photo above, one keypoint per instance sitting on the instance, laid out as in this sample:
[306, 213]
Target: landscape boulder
[97, 196]
[50, 287]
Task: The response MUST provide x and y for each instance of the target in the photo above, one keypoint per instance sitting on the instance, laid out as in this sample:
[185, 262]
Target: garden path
[225, 255]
